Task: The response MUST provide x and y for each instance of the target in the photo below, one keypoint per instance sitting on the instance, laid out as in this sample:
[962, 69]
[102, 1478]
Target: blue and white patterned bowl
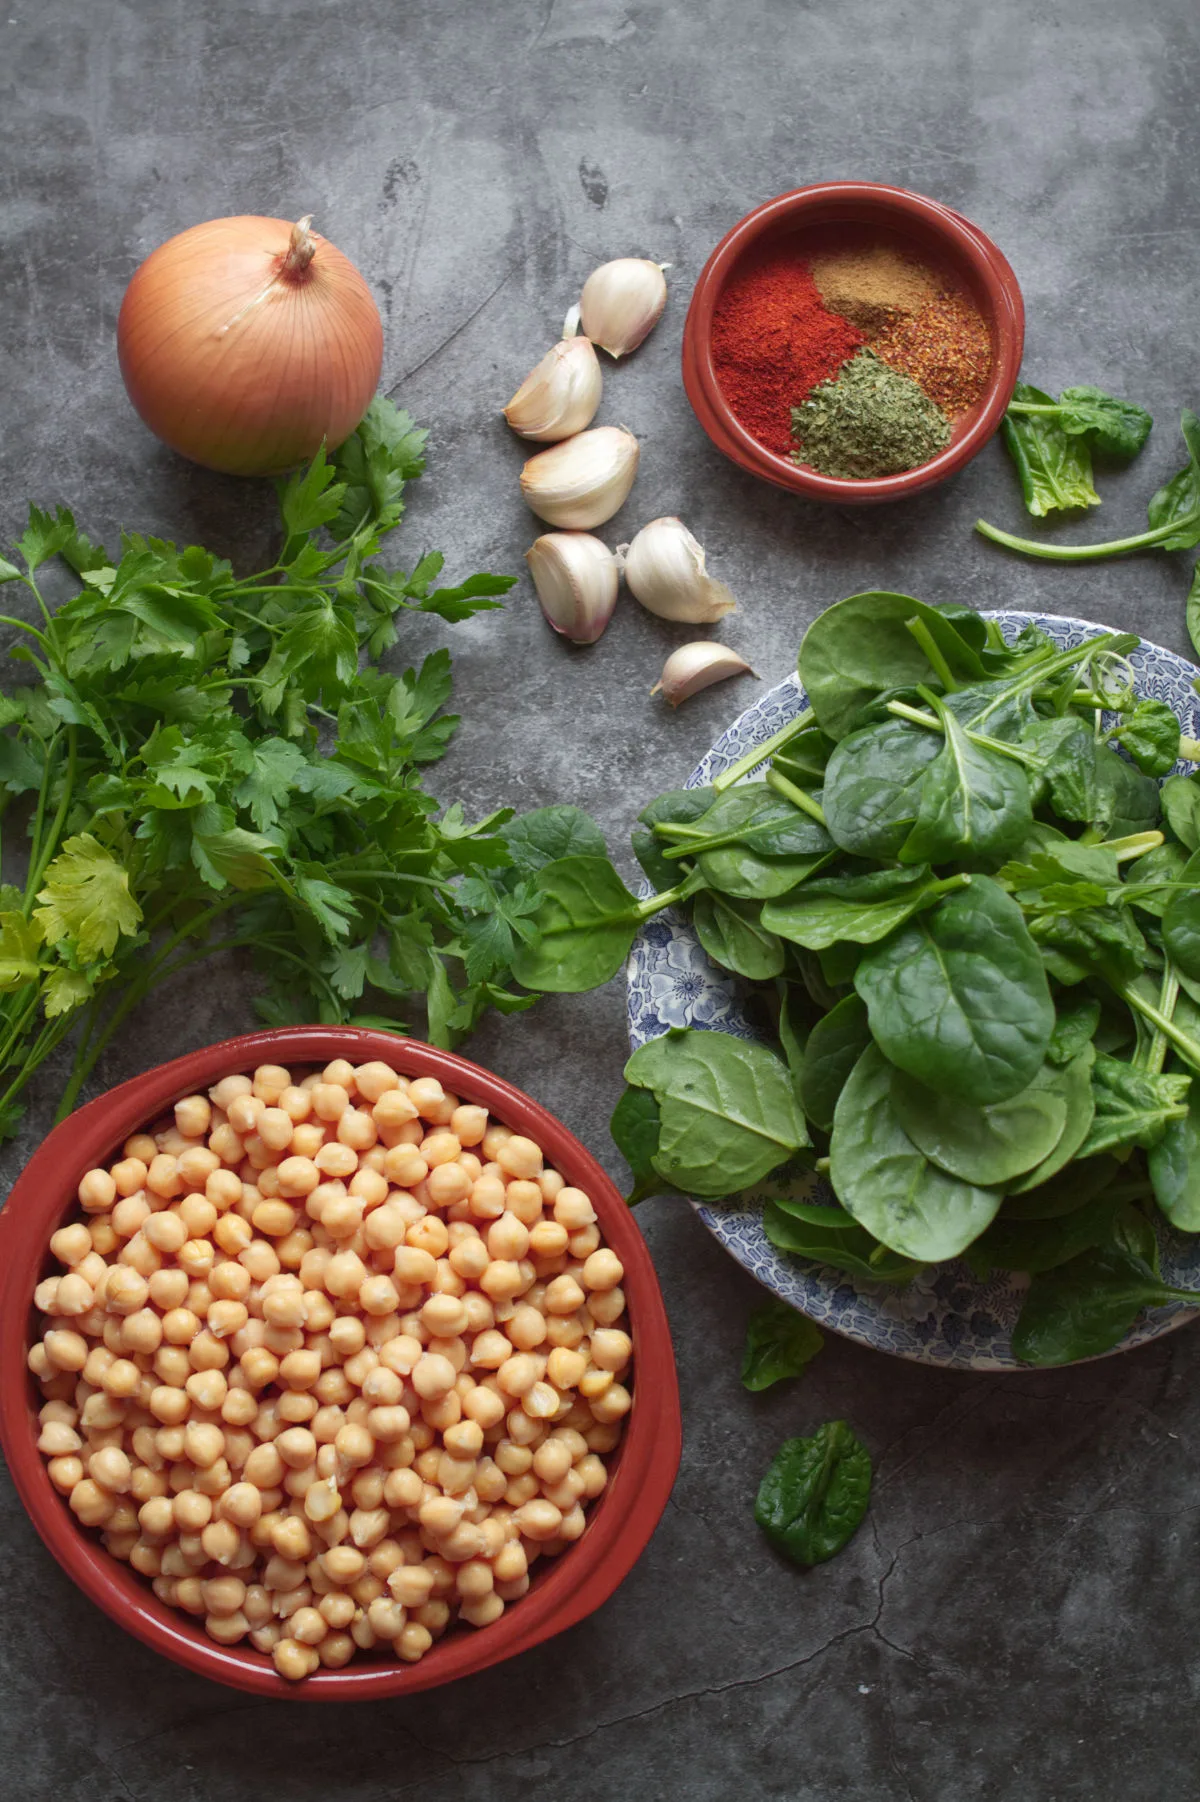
[945, 1316]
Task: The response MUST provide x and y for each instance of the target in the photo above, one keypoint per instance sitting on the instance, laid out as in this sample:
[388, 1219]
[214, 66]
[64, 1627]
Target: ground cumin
[872, 285]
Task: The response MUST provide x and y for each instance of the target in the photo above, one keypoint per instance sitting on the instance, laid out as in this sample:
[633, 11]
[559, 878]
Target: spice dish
[872, 304]
[614, 1529]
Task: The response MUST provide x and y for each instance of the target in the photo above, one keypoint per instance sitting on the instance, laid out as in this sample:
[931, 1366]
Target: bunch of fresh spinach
[208, 762]
[972, 920]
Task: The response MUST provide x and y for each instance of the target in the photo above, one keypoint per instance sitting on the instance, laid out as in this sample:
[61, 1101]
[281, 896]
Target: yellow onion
[246, 342]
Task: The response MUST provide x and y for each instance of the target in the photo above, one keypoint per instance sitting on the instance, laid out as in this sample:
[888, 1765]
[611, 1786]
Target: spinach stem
[1156, 1053]
[930, 721]
[669, 896]
[796, 796]
[1184, 1044]
[675, 829]
[1089, 553]
[760, 753]
[941, 669]
[1136, 845]
[1189, 749]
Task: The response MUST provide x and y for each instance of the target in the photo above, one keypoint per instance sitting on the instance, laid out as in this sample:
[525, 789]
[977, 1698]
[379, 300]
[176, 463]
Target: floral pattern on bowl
[945, 1316]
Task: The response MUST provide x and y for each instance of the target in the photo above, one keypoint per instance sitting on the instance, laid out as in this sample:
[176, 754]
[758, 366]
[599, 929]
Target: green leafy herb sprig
[211, 762]
[971, 919]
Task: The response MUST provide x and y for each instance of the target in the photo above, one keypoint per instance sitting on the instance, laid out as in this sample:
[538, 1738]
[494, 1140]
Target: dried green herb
[871, 420]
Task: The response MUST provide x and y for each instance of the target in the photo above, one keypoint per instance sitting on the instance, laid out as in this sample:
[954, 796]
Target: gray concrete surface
[1018, 1619]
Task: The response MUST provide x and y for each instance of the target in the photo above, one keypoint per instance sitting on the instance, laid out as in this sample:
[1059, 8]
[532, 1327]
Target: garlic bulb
[664, 570]
[582, 481]
[696, 666]
[560, 396]
[622, 302]
[576, 581]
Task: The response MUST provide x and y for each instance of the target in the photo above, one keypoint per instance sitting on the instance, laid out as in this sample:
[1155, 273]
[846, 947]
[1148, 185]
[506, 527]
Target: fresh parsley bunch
[213, 763]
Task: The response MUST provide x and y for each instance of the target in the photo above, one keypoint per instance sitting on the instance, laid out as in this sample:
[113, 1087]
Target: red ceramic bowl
[564, 1590]
[932, 230]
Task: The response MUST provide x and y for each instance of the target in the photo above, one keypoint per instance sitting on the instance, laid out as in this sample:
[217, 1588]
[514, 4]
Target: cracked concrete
[1019, 1618]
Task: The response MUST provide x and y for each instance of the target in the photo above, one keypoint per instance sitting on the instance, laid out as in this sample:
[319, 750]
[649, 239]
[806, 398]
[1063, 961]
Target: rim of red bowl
[620, 1522]
[964, 246]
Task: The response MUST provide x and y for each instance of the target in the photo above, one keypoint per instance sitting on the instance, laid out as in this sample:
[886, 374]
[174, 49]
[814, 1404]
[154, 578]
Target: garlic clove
[582, 481]
[576, 581]
[622, 302]
[559, 397]
[664, 570]
[696, 666]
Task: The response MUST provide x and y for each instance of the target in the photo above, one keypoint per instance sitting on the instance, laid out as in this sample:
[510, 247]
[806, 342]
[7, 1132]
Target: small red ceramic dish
[620, 1523]
[932, 230]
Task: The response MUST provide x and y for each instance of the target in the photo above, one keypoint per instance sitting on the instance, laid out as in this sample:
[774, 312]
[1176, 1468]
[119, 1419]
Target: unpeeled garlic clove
[696, 666]
[582, 481]
[576, 581]
[560, 396]
[664, 570]
[622, 302]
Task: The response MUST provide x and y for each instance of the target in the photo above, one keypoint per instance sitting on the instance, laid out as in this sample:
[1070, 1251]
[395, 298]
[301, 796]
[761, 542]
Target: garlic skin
[576, 581]
[622, 302]
[582, 481]
[664, 570]
[559, 397]
[696, 666]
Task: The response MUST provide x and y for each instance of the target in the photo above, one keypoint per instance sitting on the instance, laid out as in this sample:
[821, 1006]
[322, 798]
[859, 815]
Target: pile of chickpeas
[332, 1362]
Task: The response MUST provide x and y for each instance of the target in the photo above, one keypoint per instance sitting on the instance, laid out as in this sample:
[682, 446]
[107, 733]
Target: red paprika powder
[774, 341]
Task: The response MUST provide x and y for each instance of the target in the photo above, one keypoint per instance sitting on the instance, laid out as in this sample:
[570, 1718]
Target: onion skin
[242, 354]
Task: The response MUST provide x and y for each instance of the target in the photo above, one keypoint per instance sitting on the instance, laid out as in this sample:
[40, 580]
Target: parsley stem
[35, 831]
[760, 753]
[6, 619]
[37, 868]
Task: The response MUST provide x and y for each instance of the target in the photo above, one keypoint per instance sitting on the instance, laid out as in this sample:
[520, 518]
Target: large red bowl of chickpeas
[317, 1354]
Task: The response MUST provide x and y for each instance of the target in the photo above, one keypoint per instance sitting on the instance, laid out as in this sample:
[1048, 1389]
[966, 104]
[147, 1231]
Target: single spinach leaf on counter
[779, 1343]
[860, 651]
[839, 1242]
[635, 1128]
[889, 1186]
[548, 833]
[1180, 800]
[987, 1146]
[815, 1494]
[959, 997]
[728, 1112]
[1150, 733]
[973, 804]
[1075, 1027]
[679, 806]
[730, 933]
[1177, 503]
[872, 791]
[586, 920]
[1053, 467]
[1133, 1107]
[1112, 427]
[1174, 1165]
[1073, 1082]
[835, 1044]
[1085, 1308]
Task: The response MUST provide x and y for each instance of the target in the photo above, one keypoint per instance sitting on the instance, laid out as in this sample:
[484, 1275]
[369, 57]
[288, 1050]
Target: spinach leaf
[779, 1343]
[987, 1146]
[585, 922]
[755, 816]
[1112, 427]
[1174, 1165]
[1075, 1027]
[818, 921]
[678, 807]
[1085, 1308]
[889, 1186]
[973, 804]
[1089, 783]
[834, 1046]
[732, 936]
[1175, 509]
[1074, 1084]
[635, 1127]
[1133, 1107]
[1043, 1244]
[1102, 941]
[549, 833]
[1054, 467]
[728, 1112]
[1072, 1187]
[793, 1035]
[815, 1493]
[738, 871]
[872, 790]
[1180, 800]
[1148, 888]
[1181, 923]
[803, 758]
[860, 651]
[959, 997]
[1192, 608]
[840, 1244]
[1150, 733]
